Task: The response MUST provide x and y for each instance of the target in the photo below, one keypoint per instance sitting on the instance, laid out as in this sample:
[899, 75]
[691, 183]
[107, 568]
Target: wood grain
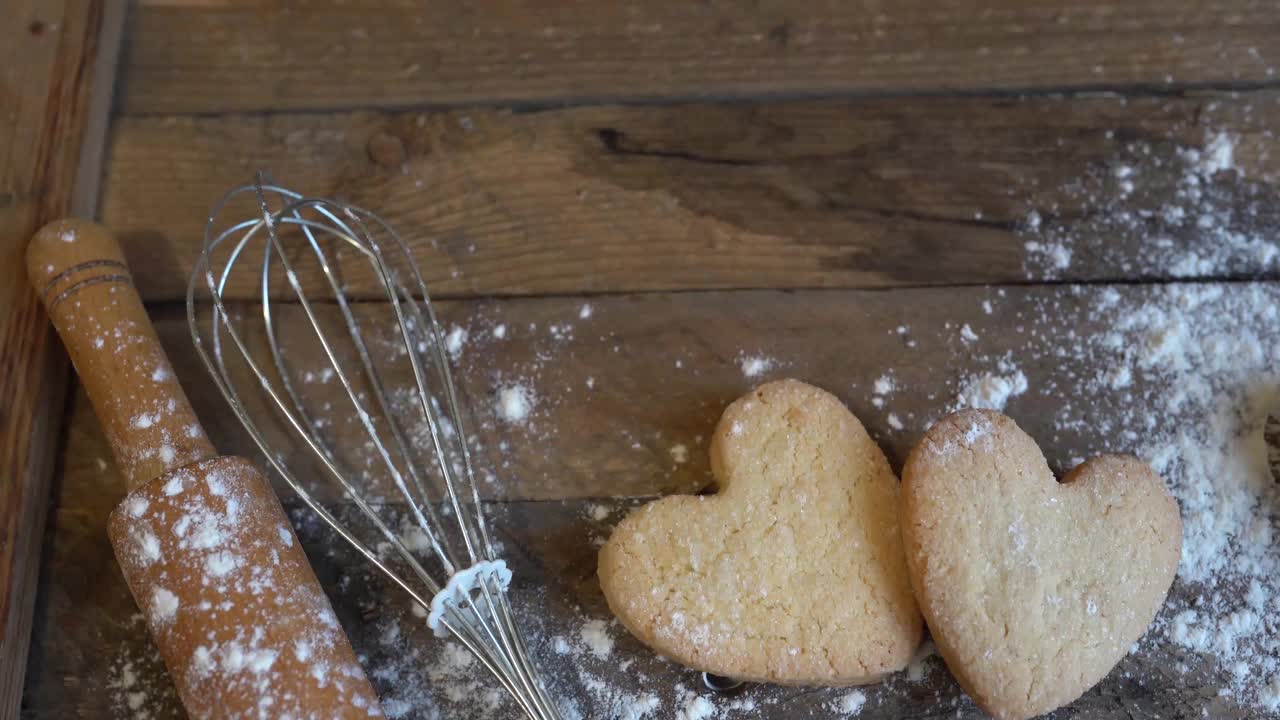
[613, 393]
[857, 193]
[662, 367]
[241, 55]
[51, 53]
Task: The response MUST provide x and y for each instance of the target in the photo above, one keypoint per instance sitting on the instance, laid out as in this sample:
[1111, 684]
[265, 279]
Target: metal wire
[457, 533]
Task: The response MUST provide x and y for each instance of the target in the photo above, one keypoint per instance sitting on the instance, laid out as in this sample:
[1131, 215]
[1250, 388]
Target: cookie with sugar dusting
[793, 572]
[1033, 589]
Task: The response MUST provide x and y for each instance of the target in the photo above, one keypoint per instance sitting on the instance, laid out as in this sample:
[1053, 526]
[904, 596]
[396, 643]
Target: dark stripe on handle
[116, 264]
[77, 287]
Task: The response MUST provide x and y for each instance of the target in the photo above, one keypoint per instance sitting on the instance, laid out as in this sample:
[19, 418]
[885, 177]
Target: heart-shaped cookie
[1033, 589]
[793, 572]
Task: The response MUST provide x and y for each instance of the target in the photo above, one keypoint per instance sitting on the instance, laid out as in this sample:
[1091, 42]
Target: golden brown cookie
[1033, 589]
[793, 572]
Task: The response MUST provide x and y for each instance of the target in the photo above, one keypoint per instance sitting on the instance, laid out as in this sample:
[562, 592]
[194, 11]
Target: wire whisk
[449, 566]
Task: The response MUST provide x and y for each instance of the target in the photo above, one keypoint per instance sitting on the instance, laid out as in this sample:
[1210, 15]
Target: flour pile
[1202, 362]
[1195, 369]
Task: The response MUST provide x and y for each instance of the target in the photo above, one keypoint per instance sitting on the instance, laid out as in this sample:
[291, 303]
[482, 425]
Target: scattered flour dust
[1181, 209]
[1196, 370]
[754, 366]
[692, 706]
[138, 688]
[595, 635]
[1215, 353]
[514, 403]
[883, 387]
[164, 605]
[992, 390]
[850, 704]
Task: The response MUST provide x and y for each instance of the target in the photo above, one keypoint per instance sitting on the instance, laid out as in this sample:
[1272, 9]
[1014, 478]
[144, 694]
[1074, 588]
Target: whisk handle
[80, 272]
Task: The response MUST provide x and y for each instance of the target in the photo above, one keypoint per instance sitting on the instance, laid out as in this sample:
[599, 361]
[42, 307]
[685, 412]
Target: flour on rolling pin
[221, 601]
[236, 612]
[142, 406]
[86, 288]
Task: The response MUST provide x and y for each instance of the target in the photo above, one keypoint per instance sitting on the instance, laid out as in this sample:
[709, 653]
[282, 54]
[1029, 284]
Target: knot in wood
[387, 151]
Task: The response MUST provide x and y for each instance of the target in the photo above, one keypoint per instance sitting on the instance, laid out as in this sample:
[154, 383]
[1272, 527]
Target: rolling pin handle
[79, 271]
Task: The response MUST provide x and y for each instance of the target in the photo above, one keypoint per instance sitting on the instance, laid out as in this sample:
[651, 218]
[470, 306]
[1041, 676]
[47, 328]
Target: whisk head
[396, 392]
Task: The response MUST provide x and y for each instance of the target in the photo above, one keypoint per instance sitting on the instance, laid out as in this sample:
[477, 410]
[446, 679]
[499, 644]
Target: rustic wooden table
[837, 188]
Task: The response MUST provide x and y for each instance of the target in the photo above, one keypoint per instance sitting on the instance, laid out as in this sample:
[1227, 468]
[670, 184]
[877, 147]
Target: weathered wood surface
[662, 366]
[241, 55]
[613, 393]
[856, 193]
[51, 56]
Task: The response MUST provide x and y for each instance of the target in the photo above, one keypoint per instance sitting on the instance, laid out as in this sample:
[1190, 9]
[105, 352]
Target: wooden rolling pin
[209, 555]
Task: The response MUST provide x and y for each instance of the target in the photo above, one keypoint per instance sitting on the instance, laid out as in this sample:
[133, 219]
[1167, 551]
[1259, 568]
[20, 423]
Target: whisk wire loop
[466, 592]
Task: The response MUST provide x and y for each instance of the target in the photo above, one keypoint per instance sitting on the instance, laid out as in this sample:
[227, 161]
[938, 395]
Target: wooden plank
[662, 368]
[241, 55]
[859, 193]
[52, 53]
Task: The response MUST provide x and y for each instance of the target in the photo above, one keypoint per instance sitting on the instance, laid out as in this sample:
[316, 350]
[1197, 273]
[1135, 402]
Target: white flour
[692, 706]
[882, 389]
[1196, 369]
[138, 687]
[850, 704]
[756, 365]
[679, 453]
[514, 403]
[455, 341]
[1201, 227]
[595, 635]
[991, 390]
[1213, 354]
